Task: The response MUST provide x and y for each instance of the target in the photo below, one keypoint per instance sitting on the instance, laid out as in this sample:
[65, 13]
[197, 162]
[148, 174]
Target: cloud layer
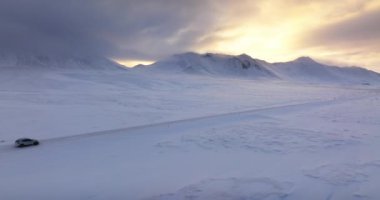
[150, 29]
[116, 28]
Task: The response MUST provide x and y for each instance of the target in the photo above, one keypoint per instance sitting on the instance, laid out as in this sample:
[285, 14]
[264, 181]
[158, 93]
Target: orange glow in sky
[336, 32]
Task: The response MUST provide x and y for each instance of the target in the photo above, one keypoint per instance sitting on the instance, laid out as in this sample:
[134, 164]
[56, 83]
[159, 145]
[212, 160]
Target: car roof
[24, 139]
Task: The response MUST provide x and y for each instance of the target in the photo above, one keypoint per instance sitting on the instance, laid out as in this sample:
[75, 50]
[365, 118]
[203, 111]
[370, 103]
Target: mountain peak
[305, 59]
[245, 56]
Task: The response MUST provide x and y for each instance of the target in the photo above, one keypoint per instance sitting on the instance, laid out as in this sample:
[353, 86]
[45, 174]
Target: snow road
[205, 121]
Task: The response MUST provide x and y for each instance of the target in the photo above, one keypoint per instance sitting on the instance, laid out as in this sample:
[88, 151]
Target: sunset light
[284, 30]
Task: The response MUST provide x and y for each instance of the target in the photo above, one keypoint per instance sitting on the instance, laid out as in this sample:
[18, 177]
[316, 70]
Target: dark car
[24, 142]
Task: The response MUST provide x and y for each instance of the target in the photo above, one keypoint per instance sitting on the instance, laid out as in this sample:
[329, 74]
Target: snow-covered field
[132, 134]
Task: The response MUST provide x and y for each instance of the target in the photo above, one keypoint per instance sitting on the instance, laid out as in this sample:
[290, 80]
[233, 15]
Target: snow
[158, 134]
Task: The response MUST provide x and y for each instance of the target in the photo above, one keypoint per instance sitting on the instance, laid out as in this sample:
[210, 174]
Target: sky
[344, 32]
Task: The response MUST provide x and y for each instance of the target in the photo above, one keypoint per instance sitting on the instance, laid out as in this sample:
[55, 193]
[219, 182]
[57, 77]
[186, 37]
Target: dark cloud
[114, 28]
[361, 31]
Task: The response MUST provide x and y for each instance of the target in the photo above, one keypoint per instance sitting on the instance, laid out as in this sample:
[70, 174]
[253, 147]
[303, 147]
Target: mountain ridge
[302, 69]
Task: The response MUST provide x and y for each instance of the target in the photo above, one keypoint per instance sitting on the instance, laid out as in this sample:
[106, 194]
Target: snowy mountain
[303, 69]
[213, 64]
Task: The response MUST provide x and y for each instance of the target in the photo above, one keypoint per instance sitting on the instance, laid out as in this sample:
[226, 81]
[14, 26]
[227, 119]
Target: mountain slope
[305, 69]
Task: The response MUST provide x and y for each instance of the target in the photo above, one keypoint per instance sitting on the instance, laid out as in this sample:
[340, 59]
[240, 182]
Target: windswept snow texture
[157, 134]
[232, 188]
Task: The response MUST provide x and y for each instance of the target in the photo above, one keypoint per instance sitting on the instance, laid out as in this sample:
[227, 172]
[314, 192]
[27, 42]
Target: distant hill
[57, 63]
[307, 70]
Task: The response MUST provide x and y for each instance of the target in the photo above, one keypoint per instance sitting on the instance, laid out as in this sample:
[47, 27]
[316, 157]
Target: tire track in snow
[203, 121]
